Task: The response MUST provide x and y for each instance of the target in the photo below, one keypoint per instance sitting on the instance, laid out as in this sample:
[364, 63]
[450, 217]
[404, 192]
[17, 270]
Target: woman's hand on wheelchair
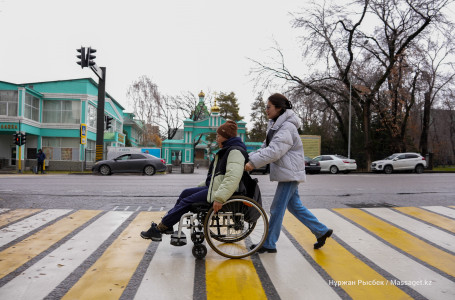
[217, 206]
[249, 167]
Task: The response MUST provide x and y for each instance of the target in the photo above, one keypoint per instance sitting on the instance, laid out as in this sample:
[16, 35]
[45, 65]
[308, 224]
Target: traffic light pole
[100, 115]
[86, 59]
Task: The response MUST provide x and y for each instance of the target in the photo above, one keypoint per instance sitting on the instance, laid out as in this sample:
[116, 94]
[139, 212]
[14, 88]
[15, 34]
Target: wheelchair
[239, 224]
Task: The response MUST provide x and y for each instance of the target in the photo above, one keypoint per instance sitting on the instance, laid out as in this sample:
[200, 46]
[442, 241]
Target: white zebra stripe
[40, 279]
[170, 274]
[441, 210]
[16, 230]
[428, 232]
[293, 276]
[392, 261]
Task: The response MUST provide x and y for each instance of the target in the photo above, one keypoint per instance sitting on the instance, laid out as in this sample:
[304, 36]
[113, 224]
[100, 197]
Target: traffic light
[17, 139]
[90, 57]
[82, 57]
[108, 122]
[23, 138]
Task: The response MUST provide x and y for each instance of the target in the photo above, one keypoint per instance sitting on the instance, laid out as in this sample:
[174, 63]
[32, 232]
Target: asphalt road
[159, 192]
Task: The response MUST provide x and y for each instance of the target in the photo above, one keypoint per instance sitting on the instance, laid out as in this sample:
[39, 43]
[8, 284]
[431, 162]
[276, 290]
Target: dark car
[312, 166]
[131, 163]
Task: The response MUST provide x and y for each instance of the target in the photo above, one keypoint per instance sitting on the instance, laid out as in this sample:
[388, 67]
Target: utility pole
[86, 60]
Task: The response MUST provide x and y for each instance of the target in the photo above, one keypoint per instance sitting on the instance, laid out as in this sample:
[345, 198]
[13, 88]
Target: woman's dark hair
[280, 101]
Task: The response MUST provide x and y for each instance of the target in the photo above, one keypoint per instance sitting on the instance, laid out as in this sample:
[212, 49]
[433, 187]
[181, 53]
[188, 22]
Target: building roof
[76, 79]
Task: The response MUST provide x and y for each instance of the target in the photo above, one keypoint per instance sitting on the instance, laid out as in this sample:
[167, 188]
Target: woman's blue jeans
[287, 196]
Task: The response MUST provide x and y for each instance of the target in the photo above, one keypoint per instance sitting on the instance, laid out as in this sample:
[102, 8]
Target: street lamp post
[349, 131]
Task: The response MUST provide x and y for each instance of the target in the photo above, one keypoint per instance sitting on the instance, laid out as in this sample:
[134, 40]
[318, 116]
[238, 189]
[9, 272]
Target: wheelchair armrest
[200, 206]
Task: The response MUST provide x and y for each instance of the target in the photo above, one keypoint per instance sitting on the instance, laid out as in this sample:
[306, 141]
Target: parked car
[336, 163]
[312, 166]
[131, 163]
[409, 161]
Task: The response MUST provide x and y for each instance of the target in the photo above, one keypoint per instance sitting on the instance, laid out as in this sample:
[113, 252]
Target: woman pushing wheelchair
[223, 178]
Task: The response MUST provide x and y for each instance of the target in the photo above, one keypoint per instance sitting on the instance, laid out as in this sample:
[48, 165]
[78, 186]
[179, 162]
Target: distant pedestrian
[40, 158]
[283, 150]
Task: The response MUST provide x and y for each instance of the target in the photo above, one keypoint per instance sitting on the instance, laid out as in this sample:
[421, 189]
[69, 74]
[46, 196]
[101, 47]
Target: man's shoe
[321, 240]
[263, 249]
[152, 234]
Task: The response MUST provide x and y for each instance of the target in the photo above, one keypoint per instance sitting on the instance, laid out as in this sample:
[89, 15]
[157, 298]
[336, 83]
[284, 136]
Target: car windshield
[391, 157]
[341, 156]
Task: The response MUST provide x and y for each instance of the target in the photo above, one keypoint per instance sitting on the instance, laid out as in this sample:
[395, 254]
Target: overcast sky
[181, 45]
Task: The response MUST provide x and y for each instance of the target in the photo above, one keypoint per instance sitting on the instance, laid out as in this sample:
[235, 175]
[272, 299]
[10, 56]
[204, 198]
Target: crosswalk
[375, 253]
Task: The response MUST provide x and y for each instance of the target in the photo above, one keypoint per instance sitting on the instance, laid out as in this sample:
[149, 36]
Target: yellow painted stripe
[231, 278]
[17, 255]
[429, 217]
[15, 215]
[110, 274]
[357, 277]
[402, 240]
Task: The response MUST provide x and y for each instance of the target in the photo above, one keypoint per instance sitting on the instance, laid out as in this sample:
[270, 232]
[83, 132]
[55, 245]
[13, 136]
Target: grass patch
[444, 168]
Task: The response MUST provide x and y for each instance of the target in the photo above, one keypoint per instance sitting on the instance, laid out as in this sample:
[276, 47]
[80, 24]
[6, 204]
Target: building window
[8, 103]
[91, 116]
[56, 111]
[31, 108]
[61, 148]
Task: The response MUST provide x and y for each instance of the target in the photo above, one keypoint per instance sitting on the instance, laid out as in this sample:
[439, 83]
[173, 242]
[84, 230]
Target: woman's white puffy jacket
[284, 152]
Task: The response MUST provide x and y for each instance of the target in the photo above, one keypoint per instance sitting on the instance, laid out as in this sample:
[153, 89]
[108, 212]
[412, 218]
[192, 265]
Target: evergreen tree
[229, 108]
[259, 119]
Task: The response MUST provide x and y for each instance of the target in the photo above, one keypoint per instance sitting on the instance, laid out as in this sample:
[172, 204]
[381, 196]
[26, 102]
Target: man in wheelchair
[223, 178]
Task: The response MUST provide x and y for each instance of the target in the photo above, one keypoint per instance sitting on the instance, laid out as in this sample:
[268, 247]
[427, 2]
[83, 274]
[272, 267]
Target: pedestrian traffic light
[17, 139]
[23, 138]
[108, 122]
[90, 57]
[83, 59]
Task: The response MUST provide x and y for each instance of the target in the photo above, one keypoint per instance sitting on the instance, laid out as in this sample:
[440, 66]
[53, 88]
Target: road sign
[83, 134]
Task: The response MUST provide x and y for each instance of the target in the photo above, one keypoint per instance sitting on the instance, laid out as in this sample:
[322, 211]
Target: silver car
[131, 163]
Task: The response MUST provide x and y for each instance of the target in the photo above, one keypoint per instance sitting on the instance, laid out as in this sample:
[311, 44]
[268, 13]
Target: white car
[409, 161]
[336, 163]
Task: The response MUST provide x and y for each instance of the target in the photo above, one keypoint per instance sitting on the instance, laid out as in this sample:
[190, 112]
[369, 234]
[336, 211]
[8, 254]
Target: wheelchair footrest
[176, 241]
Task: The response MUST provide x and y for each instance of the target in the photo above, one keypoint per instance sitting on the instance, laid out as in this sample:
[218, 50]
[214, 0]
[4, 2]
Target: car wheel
[388, 169]
[105, 170]
[419, 169]
[149, 170]
[333, 169]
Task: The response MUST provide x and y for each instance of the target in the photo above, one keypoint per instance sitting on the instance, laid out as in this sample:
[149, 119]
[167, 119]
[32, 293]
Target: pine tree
[259, 119]
[229, 108]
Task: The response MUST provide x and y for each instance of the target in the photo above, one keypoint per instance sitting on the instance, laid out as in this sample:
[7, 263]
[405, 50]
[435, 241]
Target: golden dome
[201, 94]
[215, 108]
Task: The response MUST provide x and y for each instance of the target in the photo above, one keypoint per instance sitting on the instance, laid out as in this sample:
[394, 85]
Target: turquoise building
[51, 114]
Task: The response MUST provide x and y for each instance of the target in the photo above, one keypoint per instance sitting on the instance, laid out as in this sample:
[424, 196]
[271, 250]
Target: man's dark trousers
[183, 205]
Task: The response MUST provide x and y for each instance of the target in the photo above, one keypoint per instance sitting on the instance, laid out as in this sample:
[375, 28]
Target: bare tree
[145, 99]
[335, 35]
[161, 111]
[437, 76]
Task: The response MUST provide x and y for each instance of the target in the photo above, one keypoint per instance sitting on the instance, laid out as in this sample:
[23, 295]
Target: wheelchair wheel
[199, 251]
[240, 223]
